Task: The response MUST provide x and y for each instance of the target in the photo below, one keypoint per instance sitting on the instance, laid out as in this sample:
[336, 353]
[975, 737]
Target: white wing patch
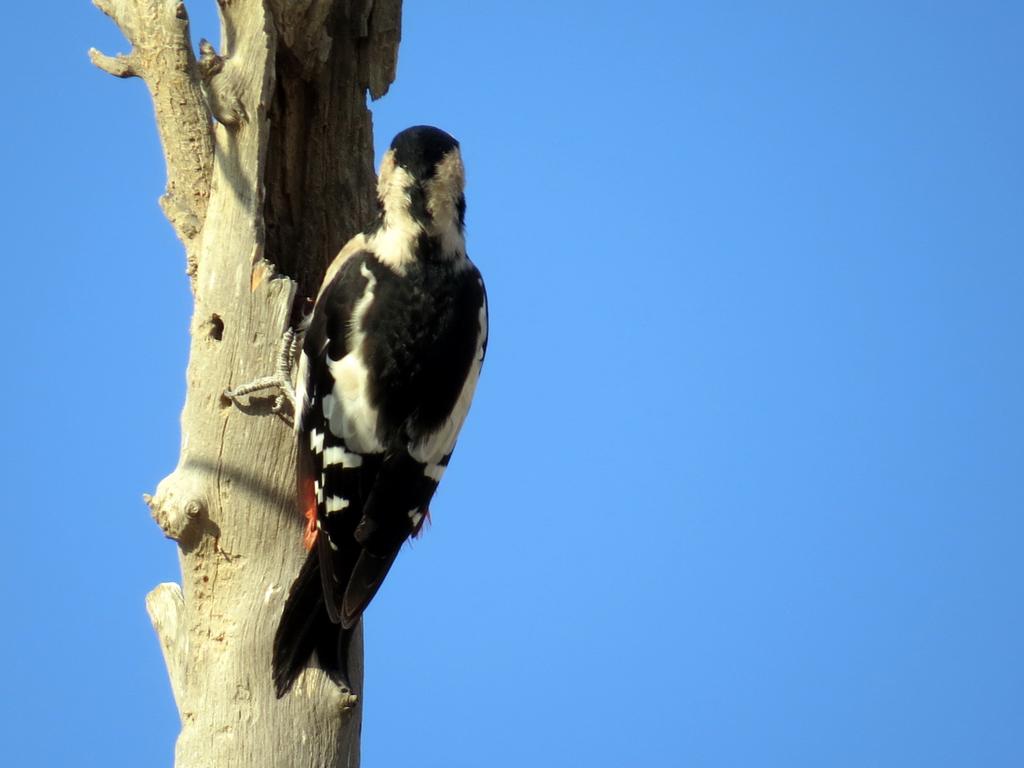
[301, 395]
[337, 455]
[316, 440]
[347, 409]
[335, 504]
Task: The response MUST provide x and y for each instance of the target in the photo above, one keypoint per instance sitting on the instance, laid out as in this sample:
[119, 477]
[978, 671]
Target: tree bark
[269, 154]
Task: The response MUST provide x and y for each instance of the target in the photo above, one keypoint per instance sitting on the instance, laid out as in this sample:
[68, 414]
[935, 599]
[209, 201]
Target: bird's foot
[280, 380]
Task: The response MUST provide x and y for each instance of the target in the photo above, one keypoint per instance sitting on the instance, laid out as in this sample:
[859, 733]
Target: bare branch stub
[162, 56]
[118, 66]
[166, 607]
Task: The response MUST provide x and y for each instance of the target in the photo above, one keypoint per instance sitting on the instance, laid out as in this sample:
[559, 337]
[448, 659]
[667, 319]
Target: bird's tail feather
[367, 576]
[304, 628]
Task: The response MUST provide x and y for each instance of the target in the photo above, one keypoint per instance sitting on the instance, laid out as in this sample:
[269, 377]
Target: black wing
[332, 477]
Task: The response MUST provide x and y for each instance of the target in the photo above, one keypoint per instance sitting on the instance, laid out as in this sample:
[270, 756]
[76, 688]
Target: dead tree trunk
[269, 154]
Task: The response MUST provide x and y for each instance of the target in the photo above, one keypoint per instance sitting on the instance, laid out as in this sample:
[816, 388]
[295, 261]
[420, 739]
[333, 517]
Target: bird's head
[421, 185]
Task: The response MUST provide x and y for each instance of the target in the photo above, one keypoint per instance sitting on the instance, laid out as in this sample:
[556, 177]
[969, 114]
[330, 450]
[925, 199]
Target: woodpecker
[388, 366]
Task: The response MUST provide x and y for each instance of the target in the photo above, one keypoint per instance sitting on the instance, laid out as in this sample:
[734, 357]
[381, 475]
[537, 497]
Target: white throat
[397, 240]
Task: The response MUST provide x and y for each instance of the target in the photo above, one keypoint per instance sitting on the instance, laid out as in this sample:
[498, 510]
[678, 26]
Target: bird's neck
[400, 238]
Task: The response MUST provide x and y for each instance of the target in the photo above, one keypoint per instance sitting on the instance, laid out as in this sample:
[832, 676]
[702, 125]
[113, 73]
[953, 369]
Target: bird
[389, 362]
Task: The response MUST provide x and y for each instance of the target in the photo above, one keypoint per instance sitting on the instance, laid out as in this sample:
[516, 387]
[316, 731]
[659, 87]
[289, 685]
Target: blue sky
[742, 485]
